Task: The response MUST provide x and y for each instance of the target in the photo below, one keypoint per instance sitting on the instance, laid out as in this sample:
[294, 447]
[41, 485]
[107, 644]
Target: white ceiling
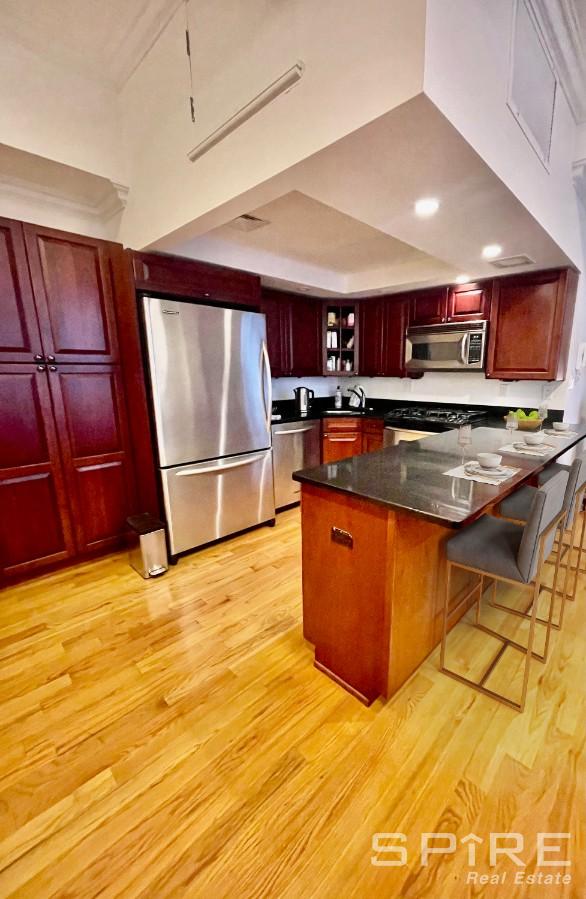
[342, 221]
[102, 39]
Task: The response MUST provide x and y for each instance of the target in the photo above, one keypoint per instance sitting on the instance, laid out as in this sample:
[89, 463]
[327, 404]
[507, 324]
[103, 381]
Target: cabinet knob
[52, 368]
[50, 358]
[41, 367]
[38, 358]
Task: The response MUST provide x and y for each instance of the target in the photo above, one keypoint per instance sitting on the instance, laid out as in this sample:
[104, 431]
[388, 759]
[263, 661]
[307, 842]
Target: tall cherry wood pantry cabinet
[66, 478]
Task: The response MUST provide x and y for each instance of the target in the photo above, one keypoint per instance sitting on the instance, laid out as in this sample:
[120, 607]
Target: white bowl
[533, 438]
[489, 460]
[560, 426]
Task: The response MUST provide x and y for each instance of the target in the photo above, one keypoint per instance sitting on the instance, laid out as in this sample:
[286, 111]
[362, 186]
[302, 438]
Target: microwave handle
[464, 349]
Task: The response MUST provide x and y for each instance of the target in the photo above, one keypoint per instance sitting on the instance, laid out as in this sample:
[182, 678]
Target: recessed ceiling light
[492, 250]
[462, 279]
[426, 206]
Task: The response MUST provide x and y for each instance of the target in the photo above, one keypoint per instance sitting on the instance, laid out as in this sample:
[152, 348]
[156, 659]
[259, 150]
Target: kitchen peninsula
[373, 533]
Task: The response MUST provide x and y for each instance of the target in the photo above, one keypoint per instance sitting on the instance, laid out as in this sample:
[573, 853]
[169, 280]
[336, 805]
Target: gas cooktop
[436, 419]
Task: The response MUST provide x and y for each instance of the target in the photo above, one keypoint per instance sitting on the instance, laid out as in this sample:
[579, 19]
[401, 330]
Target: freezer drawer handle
[213, 468]
[292, 431]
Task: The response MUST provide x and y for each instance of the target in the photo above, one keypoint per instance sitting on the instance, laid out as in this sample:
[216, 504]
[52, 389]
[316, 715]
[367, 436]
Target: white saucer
[476, 468]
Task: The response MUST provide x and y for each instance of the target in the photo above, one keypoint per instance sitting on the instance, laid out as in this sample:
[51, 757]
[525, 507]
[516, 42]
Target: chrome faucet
[358, 398]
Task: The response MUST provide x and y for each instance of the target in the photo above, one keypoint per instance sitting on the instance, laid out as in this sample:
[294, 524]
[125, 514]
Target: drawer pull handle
[342, 439]
[292, 431]
[344, 538]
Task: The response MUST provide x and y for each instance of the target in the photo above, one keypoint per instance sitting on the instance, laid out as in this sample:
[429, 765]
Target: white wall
[466, 76]
[361, 59]
[50, 112]
[438, 387]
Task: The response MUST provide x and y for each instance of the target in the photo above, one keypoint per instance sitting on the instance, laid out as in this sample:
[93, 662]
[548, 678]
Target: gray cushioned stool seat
[518, 504]
[488, 544]
[553, 468]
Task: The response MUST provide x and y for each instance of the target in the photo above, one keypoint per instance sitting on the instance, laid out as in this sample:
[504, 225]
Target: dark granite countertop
[411, 476]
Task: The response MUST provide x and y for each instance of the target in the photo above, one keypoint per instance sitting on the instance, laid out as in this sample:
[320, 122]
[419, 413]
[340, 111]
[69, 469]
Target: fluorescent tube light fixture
[282, 84]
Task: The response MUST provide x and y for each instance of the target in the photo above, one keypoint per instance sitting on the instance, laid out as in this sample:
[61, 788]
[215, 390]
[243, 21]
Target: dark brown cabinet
[190, 278]
[35, 524]
[91, 422]
[530, 325]
[72, 286]
[293, 334]
[66, 472]
[20, 339]
[429, 307]
[469, 302]
[382, 336]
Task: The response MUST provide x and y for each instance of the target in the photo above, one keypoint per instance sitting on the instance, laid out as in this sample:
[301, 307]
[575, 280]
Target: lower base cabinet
[66, 482]
[345, 437]
[35, 520]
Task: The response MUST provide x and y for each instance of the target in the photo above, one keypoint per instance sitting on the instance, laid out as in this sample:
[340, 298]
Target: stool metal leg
[532, 617]
[528, 611]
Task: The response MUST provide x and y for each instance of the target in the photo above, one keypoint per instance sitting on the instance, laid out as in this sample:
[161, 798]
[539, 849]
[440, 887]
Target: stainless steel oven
[458, 347]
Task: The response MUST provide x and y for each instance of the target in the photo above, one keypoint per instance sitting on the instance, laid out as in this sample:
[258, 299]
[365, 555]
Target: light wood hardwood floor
[172, 738]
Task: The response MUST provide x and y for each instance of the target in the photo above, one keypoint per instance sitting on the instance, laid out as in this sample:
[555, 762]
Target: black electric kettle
[303, 398]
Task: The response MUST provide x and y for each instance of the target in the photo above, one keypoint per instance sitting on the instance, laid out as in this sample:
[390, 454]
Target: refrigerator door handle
[266, 376]
[208, 469]
[292, 431]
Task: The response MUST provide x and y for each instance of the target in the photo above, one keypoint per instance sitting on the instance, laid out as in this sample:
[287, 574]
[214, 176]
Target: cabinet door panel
[20, 340]
[395, 317]
[526, 326]
[469, 302]
[35, 525]
[371, 338]
[72, 282]
[277, 311]
[429, 307]
[90, 412]
[306, 351]
[340, 445]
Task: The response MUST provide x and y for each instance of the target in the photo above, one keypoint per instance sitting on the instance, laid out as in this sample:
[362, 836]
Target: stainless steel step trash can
[147, 549]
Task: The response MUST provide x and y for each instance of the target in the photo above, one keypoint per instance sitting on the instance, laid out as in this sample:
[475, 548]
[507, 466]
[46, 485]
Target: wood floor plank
[172, 738]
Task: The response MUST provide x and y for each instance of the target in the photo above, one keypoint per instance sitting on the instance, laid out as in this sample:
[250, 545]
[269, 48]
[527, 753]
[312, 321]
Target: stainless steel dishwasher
[296, 444]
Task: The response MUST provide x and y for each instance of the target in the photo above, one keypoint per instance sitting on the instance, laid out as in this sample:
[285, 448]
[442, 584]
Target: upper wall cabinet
[293, 333]
[443, 305]
[20, 339]
[72, 284]
[429, 307]
[383, 323]
[158, 272]
[530, 326]
[469, 302]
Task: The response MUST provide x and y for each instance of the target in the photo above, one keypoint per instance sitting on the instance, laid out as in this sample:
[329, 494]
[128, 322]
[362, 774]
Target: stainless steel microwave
[457, 347]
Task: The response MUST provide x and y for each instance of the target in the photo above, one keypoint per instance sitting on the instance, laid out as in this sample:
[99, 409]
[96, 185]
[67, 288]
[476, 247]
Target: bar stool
[513, 554]
[517, 507]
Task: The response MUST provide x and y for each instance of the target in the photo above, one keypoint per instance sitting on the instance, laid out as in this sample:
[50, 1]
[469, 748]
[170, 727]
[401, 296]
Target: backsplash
[443, 387]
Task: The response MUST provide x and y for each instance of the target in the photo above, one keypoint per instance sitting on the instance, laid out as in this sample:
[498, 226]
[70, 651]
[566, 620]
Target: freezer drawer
[209, 500]
[295, 445]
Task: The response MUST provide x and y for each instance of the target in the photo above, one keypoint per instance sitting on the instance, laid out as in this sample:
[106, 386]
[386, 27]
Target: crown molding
[566, 40]
[110, 204]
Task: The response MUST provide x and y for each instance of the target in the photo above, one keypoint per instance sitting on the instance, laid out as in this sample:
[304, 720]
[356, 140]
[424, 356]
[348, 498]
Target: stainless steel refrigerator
[211, 388]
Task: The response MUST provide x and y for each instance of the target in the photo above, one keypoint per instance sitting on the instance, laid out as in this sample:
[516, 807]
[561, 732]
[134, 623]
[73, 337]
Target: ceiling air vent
[248, 223]
[513, 261]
